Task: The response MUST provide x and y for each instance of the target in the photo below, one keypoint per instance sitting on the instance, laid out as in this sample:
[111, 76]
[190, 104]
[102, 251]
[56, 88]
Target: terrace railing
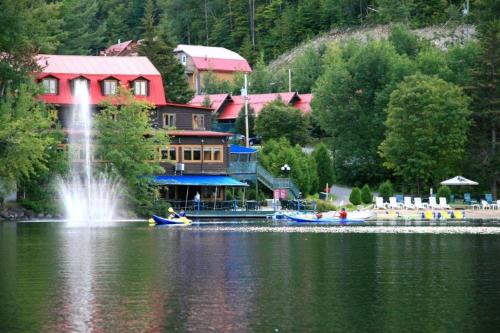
[271, 182]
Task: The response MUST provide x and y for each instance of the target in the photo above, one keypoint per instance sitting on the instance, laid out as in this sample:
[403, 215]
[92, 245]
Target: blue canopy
[235, 149]
[196, 180]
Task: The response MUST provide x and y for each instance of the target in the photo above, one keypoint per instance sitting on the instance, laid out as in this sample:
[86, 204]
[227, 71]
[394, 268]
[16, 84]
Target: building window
[168, 120]
[183, 59]
[50, 86]
[187, 154]
[110, 87]
[216, 154]
[207, 154]
[196, 153]
[172, 153]
[168, 154]
[198, 121]
[140, 88]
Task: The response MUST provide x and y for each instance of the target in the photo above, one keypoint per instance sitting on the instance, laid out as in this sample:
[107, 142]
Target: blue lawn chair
[489, 198]
[400, 198]
[467, 199]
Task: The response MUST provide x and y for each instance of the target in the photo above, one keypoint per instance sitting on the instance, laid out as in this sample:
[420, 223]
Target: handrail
[274, 183]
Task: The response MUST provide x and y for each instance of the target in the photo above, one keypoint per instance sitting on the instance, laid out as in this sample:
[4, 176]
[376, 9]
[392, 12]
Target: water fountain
[90, 198]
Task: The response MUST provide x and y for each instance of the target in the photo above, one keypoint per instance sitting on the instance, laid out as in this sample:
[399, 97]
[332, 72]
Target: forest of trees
[367, 80]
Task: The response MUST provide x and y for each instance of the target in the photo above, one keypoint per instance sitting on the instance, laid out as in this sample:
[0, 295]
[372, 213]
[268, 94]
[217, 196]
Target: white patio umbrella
[458, 180]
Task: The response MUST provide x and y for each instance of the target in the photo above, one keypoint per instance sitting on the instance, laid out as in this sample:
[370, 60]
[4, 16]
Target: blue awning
[235, 149]
[196, 180]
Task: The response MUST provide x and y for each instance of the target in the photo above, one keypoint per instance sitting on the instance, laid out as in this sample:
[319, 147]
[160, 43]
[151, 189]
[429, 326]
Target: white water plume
[89, 198]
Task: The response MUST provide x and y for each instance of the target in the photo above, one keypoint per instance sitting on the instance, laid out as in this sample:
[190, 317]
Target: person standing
[197, 200]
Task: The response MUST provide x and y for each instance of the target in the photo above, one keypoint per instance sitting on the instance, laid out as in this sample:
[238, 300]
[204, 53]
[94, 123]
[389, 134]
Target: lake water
[130, 277]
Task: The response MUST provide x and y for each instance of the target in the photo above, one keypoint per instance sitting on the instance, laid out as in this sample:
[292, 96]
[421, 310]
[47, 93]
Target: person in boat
[172, 214]
[182, 213]
[343, 214]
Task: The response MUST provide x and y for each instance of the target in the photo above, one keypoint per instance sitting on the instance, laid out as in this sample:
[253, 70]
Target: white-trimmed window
[183, 59]
[198, 121]
[50, 85]
[141, 88]
[109, 87]
[169, 120]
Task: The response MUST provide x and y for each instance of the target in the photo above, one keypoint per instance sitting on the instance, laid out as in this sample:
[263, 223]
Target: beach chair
[380, 204]
[485, 204]
[419, 204]
[394, 204]
[489, 198]
[432, 203]
[496, 205]
[407, 203]
[458, 215]
[399, 199]
[443, 204]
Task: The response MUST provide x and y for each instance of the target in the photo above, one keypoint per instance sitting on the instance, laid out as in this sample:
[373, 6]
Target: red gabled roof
[197, 133]
[190, 106]
[221, 65]
[116, 49]
[213, 58]
[96, 69]
[256, 102]
[216, 100]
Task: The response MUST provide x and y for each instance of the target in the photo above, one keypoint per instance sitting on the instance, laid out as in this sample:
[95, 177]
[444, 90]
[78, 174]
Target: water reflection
[134, 278]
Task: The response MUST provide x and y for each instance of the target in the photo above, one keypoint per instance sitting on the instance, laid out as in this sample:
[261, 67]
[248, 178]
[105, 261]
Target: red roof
[96, 69]
[116, 49]
[256, 102]
[190, 106]
[197, 133]
[221, 65]
[216, 100]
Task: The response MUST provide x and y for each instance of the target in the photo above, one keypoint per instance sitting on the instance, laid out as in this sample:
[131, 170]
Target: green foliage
[277, 120]
[212, 85]
[404, 41]
[346, 102]
[325, 206]
[158, 45]
[483, 150]
[239, 125]
[128, 141]
[25, 136]
[444, 191]
[366, 194]
[427, 126]
[306, 68]
[355, 196]
[324, 165]
[275, 153]
[386, 190]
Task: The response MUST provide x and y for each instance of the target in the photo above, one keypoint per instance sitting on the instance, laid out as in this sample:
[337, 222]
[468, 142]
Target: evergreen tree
[324, 164]
[158, 46]
[485, 91]
[83, 32]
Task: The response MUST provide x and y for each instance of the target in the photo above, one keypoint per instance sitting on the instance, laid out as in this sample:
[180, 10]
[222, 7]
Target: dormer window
[109, 87]
[141, 87]
[50, 85]
[79, 81]
[183, 59]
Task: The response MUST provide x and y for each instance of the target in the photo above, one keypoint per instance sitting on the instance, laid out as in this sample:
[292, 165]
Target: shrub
[386, 190]
[324, 206]
[355, 197]
[444, 191]
[366, 195]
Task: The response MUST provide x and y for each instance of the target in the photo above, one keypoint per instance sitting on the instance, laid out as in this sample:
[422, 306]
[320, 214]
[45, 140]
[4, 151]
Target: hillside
[441, 36]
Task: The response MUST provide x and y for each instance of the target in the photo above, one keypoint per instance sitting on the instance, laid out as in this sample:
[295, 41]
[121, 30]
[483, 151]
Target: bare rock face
[441, 36]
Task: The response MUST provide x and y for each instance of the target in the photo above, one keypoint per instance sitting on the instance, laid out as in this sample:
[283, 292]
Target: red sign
[280, 193]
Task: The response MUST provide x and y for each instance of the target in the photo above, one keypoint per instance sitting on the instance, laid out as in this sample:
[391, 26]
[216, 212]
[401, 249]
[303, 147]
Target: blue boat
[181, 221]
[313, 218]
